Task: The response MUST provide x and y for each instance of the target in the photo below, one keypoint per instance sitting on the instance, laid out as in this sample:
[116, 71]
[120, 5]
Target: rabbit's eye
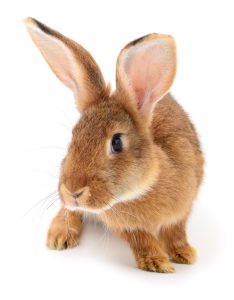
[116, 143]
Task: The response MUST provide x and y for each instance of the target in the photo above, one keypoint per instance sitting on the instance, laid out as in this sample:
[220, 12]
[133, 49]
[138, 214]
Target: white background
[36, 116]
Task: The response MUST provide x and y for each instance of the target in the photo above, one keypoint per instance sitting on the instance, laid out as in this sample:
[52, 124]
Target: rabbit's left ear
[145, 71]
[70, 62]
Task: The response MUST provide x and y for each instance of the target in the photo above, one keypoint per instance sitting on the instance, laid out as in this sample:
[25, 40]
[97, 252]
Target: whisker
[43, 205]
[42, 209]
[39, 202]
[53, 202]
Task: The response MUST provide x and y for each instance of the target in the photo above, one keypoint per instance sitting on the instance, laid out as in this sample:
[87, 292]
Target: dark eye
[116, 143]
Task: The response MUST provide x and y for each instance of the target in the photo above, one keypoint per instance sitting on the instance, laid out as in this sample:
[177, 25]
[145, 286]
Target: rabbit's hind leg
[174, 239]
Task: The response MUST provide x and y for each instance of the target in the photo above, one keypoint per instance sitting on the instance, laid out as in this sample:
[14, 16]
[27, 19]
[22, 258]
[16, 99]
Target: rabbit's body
[134, 159]
[181, 167]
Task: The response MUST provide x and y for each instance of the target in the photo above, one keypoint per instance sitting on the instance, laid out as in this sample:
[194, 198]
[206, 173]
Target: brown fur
[161, 152]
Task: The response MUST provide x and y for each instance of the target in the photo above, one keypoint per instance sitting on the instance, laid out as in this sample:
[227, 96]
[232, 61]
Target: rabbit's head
[112, 156]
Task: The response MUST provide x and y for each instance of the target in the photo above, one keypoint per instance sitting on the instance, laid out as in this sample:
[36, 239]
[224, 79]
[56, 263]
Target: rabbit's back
[174, 132]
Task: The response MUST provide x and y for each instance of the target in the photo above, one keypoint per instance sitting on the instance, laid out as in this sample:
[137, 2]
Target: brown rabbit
[134, 159]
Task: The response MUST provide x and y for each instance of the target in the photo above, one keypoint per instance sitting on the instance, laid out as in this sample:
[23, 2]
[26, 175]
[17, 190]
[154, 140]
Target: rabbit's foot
[155, 264]
[183, 255]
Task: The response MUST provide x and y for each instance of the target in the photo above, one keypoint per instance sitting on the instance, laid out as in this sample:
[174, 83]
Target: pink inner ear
[147, 70]
[140, 97]
[58, 56]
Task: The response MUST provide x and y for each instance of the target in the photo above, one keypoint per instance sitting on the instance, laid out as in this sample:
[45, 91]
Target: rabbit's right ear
[70, 62]
[145, 71]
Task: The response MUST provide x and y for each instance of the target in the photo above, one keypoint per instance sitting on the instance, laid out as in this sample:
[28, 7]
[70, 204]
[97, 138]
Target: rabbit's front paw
[64, 231]
[61, 235]
[60, 238]
[155, 264]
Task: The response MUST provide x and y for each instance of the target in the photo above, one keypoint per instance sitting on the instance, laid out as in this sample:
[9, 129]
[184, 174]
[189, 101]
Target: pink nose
[75, 196]
[72, 198]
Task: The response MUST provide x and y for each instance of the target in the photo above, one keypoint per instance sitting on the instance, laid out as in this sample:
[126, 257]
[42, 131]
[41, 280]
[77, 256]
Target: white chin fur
[94, 211]
[137, 194]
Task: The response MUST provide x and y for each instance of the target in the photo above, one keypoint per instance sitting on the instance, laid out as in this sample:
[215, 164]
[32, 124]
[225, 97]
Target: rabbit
[134, 160]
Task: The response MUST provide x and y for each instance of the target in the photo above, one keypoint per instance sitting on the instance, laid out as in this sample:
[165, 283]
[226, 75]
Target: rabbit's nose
[75, 196]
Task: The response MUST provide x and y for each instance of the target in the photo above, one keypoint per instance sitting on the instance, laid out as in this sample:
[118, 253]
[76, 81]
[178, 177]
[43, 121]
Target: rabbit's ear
[70, 62]
[145, 70]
